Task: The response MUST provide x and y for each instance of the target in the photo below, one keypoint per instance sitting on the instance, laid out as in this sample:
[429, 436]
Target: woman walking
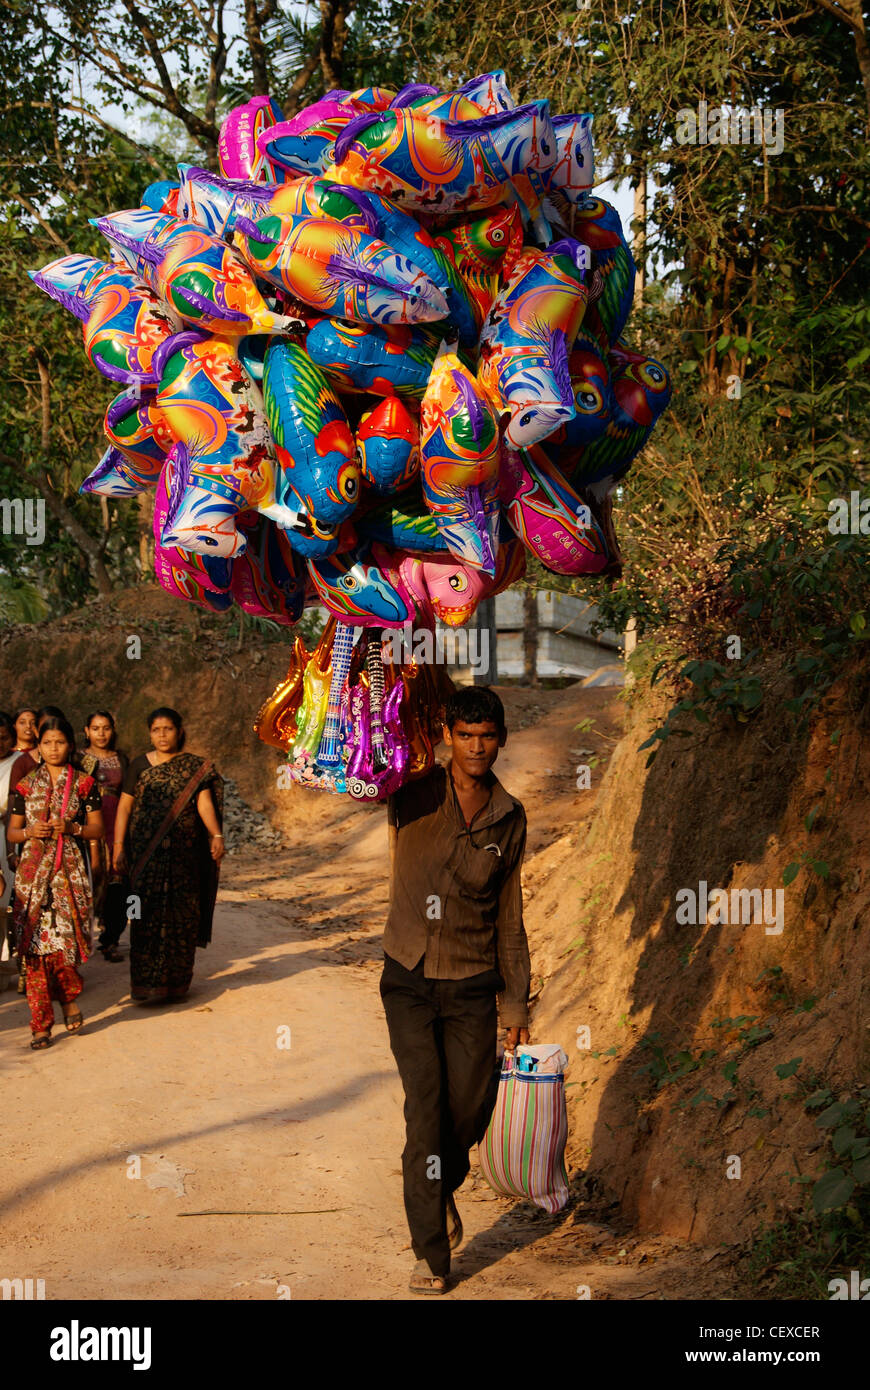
[7, 758]
[53, 808]
[168, 838]
[107, 765]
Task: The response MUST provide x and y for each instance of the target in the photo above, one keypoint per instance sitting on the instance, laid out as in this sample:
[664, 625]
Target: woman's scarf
[55, 864]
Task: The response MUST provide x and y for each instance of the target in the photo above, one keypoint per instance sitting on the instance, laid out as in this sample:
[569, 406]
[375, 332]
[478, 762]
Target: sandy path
[223, 1119]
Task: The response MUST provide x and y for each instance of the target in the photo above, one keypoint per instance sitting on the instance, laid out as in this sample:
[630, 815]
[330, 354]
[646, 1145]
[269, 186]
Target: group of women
[89, 835]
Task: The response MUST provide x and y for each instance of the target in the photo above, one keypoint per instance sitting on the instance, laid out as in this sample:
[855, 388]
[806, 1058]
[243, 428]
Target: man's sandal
[112, 953]
[40, 1040]
[73, 1021]
[424, 1281]
[454, 1224]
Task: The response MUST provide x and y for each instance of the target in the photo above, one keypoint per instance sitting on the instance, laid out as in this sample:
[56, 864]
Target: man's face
[474, 746]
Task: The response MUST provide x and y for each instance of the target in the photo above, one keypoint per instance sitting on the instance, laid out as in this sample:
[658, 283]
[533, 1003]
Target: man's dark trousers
[443, 1035]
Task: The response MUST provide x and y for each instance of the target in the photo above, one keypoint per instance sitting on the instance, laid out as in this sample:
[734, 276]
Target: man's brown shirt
[455, 892]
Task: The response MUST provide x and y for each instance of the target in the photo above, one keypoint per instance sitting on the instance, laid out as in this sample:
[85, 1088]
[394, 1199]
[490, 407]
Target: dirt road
[245, 1144]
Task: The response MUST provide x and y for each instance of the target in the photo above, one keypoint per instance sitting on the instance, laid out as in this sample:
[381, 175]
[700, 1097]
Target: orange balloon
[276, 722]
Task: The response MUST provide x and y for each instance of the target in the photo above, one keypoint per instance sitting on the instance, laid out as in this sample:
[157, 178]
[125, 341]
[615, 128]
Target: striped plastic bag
[522, 1153]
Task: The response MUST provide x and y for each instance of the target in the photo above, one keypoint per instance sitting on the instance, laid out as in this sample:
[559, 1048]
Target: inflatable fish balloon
[136, 425]
[593, 401]
[459, 454]
[113, 477]
[162, 196]
[353, 588]
[215, 413]
[238, 152]
[448, 591]
[400, 523]
[181, 584]
[482, 248]
[384, 360]
[443, 166]
[388, 441]
[371, 98]
[315, 445]
[640, 392]
[124, 322]
[194, 272]
[211, 572]
[338, 270]
[268, 579]
[306, 144]
[526, 340]
[549, 517]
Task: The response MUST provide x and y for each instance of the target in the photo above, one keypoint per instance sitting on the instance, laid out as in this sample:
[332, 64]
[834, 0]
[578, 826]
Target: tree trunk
[145, 503]
[530, 637]
[638, 222]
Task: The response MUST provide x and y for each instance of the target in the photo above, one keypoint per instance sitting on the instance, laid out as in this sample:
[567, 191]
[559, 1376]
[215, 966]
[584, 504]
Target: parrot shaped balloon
[641, 392]
[316, 448]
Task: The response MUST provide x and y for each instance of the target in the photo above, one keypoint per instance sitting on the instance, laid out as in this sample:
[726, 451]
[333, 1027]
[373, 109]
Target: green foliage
[800, 1255]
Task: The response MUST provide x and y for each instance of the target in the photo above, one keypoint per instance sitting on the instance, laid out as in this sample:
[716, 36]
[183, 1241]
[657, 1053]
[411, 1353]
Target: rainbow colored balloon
[212, 408]
[338, 269]
[527, 338]
[459, 455]
[124, 323]
[194, 272]
[444, 167]
[363, 373]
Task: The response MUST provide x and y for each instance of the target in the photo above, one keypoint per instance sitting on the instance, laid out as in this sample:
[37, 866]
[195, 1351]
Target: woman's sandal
[424, 1281]
[454, 1223]
[74, 1021]
[40, 1040]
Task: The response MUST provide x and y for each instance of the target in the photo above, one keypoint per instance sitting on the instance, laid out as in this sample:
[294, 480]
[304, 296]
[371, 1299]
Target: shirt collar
[501, 803]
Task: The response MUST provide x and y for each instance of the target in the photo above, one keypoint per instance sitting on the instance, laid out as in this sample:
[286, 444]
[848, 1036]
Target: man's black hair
[475, 704]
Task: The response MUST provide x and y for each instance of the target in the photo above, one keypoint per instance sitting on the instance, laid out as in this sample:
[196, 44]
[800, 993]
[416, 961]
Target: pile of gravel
[243, 827]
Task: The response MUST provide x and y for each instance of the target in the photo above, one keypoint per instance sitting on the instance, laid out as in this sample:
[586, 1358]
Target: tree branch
[46, 227]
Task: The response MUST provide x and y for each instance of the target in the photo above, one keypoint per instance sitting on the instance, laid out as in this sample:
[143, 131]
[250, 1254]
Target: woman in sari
[7, 758]
[102, 761]
[168, 839]
[53, 808]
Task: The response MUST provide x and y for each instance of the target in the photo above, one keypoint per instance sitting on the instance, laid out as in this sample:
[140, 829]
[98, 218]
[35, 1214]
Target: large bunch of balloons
[370, 365]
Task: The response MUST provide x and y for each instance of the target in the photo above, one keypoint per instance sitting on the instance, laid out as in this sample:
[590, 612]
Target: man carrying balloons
[455, 957]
